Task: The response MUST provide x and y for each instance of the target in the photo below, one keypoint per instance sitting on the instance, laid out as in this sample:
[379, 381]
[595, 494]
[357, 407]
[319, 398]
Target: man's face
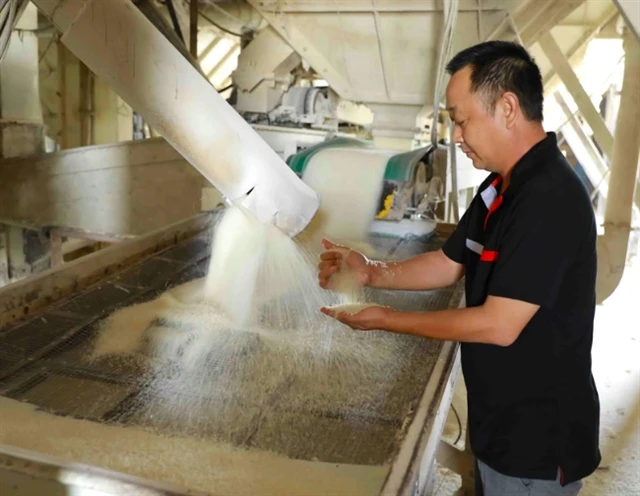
[476, 131]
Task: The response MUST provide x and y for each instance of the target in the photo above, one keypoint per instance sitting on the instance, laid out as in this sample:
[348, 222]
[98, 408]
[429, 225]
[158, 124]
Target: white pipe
[612, 247]
[117, 42]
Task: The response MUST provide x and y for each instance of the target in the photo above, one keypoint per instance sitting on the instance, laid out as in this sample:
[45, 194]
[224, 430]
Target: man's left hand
[369, 319]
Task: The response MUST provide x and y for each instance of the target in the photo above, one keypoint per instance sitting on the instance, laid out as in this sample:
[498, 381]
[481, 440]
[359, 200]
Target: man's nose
[457, 135]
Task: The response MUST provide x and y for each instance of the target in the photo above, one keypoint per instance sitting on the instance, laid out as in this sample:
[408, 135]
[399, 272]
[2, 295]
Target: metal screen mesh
[44, 360]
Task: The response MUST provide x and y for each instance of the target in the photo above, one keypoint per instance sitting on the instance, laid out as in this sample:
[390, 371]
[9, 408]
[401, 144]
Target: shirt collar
[533, 160]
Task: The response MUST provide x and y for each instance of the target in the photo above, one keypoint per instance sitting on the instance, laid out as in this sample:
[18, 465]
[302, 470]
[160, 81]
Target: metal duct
[116, 41]
[613, 246]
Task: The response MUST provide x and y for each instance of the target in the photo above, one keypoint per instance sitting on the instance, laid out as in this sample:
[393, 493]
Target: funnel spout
[117, 42]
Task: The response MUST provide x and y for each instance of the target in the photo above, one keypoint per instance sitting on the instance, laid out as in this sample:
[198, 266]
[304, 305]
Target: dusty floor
[616, 368]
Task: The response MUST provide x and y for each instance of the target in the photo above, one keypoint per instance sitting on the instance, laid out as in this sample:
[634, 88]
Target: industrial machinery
[71, 421]
[384, 443]
[410, 191]
[152, 75]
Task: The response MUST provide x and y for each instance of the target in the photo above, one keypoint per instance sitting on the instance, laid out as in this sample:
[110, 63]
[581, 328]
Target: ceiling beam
[533, 19]
[552, 16]
[209, 48]
[356, 6]
[581, 43]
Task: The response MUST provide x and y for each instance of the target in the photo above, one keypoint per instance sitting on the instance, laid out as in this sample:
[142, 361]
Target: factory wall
[78, 108]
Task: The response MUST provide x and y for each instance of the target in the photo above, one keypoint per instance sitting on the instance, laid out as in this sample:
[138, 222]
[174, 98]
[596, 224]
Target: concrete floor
[616, 368]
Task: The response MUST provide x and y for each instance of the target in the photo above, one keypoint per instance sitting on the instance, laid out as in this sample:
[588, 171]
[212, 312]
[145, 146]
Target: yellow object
[388, 201]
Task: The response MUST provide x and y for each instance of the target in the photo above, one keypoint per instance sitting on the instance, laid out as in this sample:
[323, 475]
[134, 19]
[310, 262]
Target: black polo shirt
[533, 406]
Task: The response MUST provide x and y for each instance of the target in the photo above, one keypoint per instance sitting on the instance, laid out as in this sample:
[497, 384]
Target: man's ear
[510, 107]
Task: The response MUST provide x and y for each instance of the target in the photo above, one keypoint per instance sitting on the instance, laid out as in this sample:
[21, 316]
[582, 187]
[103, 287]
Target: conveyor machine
[411, 186]
[67, 420]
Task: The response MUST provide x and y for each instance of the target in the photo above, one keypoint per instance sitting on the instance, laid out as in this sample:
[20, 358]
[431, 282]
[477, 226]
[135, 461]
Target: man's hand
[369, 319]
[332, 259]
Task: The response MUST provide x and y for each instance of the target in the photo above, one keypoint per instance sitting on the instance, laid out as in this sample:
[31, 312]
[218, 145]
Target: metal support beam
[582, 42]
[209, 48]
[522, 17]
[301, 44]
[583, 148]
[533, 20]
[193, 28]
[552, 15]
[630, 10]
[234, 49]
[571, 81]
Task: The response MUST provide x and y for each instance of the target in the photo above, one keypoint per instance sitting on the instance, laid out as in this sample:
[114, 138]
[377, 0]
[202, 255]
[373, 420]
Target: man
[527, 247]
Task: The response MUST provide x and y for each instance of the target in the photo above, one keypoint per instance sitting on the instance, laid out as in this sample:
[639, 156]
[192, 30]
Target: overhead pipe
[115, 40]
[613, 245]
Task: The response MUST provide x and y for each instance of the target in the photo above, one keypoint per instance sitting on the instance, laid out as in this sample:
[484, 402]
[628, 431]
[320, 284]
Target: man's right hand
[332, 258]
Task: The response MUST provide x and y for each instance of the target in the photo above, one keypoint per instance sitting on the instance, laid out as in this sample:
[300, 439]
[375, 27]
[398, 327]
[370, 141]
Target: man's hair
[501, 66]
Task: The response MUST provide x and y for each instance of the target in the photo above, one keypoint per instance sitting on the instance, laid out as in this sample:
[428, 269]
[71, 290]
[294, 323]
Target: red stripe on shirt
[494, 206]
[489, 256]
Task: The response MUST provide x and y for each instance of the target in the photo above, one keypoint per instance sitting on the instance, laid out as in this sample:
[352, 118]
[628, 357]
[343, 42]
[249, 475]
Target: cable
[459, 424]
[225, 88]
[224, 12]
[211, 21]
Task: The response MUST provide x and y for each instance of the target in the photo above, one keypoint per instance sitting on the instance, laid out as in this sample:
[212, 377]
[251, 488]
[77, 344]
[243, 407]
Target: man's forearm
[432, 270]
[465, 324]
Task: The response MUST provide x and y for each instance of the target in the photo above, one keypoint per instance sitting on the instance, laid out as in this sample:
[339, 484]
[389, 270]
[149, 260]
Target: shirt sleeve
[454, 247]
[534, 254]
